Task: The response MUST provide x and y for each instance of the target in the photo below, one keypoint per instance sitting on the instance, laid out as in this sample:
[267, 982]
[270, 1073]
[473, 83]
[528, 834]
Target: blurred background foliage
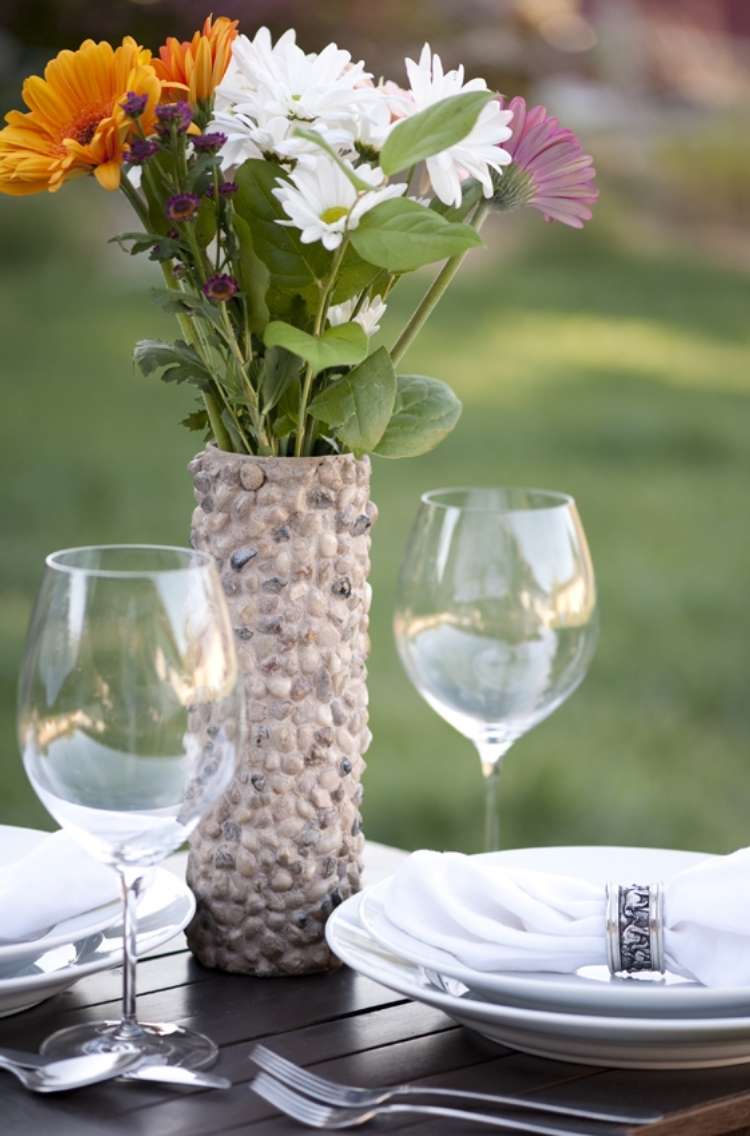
[611, 363]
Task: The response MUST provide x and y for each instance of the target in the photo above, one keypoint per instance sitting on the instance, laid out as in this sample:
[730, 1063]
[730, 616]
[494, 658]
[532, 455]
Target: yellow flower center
[85, 125]
[335, 213]
[85, 133]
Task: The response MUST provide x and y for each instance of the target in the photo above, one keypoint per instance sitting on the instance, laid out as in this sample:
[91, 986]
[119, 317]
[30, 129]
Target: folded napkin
[56, 880]
[494, 918]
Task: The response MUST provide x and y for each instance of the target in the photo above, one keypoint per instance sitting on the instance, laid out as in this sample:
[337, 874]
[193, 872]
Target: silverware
[316, 1115]
[176, 1075]
[163, 1074]
[347, 1096]
[72, 1072]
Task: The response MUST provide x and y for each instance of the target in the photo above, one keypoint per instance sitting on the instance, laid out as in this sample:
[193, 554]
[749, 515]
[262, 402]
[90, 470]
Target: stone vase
[291, 538]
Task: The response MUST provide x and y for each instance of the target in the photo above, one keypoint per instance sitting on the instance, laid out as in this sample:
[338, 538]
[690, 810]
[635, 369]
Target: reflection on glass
[496, 615]
[129, 722]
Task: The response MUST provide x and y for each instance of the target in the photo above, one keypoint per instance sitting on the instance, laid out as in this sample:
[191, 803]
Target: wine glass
[496, 614]
[129, 723]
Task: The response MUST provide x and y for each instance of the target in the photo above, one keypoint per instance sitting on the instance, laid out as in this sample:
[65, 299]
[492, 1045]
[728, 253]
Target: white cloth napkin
[494, 918]
[57, 880]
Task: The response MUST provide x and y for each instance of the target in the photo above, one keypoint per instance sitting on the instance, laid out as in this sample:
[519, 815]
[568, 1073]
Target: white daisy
[271, 89]
[368, 317]
[479, 152]
[322, 203]
[246, 137]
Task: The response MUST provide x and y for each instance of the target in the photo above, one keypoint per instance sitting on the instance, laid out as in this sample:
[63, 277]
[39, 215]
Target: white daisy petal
[475, 155]
[320, 200]
[368, 317]
[271, 89]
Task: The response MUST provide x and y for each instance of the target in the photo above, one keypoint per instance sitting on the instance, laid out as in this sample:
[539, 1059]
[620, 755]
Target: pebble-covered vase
[291, 538]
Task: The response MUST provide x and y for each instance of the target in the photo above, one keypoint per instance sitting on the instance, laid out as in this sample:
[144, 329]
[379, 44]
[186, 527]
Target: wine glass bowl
[496, 615]
[129, 724]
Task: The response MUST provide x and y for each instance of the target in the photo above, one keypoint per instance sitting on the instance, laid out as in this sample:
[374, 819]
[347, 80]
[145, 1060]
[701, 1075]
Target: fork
[316, 1115]
[347, 1096]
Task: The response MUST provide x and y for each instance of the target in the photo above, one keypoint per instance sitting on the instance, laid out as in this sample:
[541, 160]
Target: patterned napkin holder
[635, 927]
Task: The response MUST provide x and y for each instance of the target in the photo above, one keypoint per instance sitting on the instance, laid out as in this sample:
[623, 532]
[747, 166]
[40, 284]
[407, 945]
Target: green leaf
[318, 140]
[425, 411]
[254, 277]
[157, 242]
[471, 195]
[283, 426]
[353, 277]
[162, 171]
[177, 362]
[359, 405]
[230, 426]
[294, 267]
[196, 420]
[278, 370]
[400, 235]
[151, 354]
[205, 222]
[201, 171]
[338, 346]
[189, 304]
[432, 130]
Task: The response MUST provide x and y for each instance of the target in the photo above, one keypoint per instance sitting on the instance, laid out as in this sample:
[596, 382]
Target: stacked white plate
[34, 970]
[643, 1022]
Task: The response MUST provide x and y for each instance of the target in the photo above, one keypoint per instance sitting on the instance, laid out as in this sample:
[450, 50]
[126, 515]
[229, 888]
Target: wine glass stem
[131, 883]
[491, 755]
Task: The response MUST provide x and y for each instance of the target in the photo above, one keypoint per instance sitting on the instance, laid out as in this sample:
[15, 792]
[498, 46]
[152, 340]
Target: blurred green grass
[585, 364]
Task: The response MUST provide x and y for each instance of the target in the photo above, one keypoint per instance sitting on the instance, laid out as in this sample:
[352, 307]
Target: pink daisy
[549, 170]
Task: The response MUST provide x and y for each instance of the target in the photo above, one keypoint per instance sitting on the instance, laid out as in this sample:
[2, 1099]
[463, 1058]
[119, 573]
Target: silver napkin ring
[635, 927]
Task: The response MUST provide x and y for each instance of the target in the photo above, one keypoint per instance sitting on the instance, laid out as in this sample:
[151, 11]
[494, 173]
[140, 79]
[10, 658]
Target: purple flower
[182, 207]
[227, 188]
[550, 172]
[209, 143]
[140, 150]
[176, 114]
[134, 105]
[220, 287]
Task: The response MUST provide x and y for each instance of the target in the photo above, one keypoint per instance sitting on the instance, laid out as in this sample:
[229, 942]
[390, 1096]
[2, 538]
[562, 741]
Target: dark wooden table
[347, 1027]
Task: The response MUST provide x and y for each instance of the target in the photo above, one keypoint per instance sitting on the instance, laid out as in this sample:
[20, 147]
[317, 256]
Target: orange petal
[108, 175]
[200, 79]
[44, 100]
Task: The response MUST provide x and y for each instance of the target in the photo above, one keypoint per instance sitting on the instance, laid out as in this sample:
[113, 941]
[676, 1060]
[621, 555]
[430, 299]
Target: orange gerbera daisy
[75, 123]
[197, 67]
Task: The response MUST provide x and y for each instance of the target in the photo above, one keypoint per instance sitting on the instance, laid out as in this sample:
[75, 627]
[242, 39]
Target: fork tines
[302, 1079]
[288, 1101]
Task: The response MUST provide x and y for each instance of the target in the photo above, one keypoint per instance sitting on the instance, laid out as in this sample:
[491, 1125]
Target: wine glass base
[160, 1044]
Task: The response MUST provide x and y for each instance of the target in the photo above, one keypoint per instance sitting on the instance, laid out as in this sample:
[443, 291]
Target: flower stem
[218, 429]
[302, 412]
[134, 198]
[221, 436]
[320, 318]
[434, 293]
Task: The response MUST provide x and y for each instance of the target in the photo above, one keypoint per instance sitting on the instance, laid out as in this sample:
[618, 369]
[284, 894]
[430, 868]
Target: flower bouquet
[284, 196]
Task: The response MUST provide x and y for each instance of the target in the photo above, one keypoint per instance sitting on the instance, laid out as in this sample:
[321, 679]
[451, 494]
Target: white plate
[590, 1039]
[592, 990]
[166, 907]
[17, 842]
